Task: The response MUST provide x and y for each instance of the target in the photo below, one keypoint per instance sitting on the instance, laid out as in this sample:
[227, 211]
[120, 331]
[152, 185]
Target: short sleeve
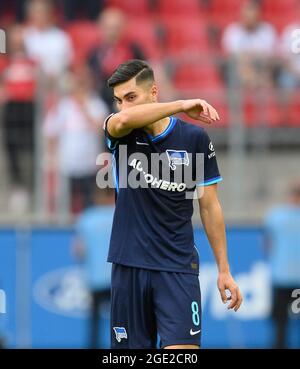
[111, 142]
[211, 171]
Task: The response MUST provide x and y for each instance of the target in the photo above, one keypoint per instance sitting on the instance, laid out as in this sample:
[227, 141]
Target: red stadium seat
[85, 36]
[144, 33]
[131, 7]
[280, 12]
[3, 63]
[280, 7]
[257, 111]
[218, 99]
[225, 7]
[222, 13]
[179, 7]
[185, 34]
[193, 76]
[254, 114]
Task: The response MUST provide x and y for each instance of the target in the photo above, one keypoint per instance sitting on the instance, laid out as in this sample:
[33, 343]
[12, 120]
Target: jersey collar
[168, 130]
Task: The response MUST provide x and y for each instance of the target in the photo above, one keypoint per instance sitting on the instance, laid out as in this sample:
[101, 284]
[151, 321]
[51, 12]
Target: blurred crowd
[60, 54]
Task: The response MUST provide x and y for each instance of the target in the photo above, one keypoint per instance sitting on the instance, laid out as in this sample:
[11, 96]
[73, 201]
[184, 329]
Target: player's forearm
[213, 222]
[142, 115]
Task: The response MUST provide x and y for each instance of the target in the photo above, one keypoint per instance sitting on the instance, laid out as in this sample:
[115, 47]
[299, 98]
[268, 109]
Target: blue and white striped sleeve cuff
[111, 144]
[210, 181]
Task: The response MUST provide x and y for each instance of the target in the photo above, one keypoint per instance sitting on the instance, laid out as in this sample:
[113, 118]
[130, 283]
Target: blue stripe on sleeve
[115, 173]
[110, 144]
[210, 181]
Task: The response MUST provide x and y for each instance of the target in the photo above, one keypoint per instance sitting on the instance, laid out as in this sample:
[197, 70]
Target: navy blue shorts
[147, 304]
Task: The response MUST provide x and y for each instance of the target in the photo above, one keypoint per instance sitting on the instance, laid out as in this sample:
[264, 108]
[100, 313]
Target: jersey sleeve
[113, 142]
[211, 171]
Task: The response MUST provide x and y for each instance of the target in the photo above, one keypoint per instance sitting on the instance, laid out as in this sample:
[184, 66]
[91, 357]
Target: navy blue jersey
[152, 226]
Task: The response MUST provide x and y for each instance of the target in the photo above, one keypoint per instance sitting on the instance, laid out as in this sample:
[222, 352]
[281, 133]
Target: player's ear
[154, 93]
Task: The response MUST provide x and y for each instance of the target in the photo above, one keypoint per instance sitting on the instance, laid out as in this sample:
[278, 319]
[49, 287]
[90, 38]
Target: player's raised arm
[139, 116]
[136, 96]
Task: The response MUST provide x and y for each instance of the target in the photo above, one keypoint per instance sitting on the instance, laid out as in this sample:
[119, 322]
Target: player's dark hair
[139, 69]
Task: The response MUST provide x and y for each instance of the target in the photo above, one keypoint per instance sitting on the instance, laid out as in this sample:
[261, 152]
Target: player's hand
[200, 110]
[226, 282]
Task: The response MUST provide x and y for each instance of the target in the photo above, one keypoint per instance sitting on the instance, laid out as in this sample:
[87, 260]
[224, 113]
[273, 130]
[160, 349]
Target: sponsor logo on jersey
[211, 148]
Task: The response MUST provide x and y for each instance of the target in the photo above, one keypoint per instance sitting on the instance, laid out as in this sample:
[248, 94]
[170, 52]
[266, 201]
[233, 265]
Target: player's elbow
[115, 125]
[120, 122]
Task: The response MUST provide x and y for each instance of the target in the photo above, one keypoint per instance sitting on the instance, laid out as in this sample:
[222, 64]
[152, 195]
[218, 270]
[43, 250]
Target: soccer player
[155, 285]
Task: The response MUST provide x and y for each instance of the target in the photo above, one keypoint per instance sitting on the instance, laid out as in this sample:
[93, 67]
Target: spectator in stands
[289, 49]
[18, 93]
[283, 243]
[45, 43]
[90, 8]
[251, 44]
[72, 128]
[93, 228]
[115, 48]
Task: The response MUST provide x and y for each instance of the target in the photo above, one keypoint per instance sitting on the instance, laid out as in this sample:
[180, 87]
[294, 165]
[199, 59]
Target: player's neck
[157, 127]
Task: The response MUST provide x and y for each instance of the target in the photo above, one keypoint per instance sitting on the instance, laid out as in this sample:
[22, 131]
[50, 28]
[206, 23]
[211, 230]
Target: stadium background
[257, 143]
